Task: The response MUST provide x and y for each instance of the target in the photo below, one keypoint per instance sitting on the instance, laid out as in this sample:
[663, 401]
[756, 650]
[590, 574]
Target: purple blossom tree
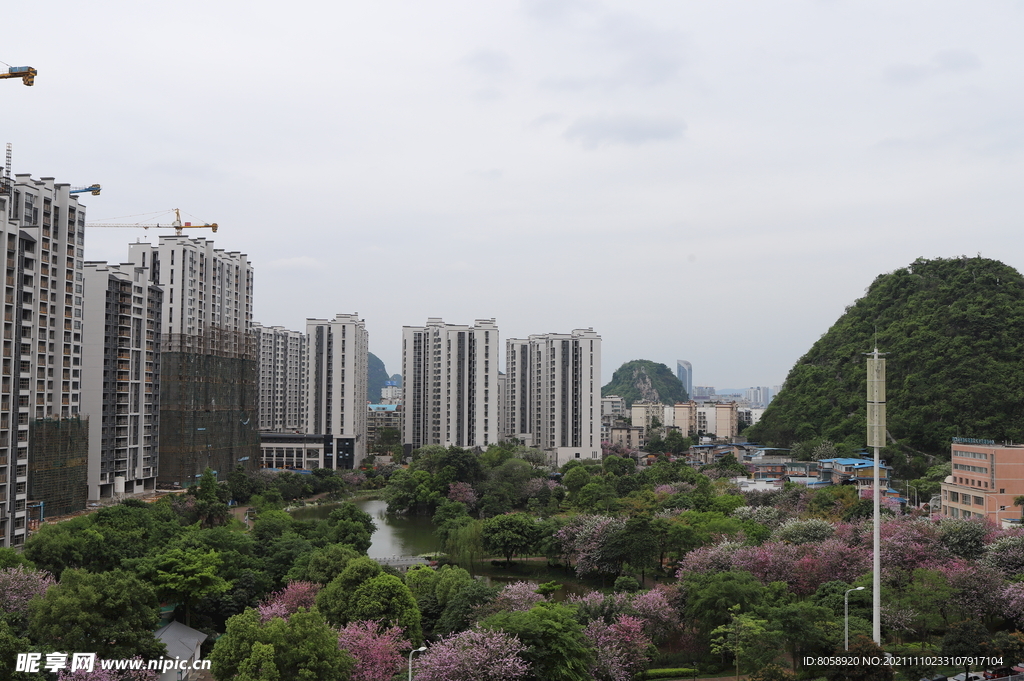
[287, 602]
[108, 674]
[657, 609]
[463, 492]
[582, 541]
[517, 596]
[376, 650]
[1012, 598]
[621, 648]
[709, 559]
[1006, 554]
[474, 655]
[19, 585]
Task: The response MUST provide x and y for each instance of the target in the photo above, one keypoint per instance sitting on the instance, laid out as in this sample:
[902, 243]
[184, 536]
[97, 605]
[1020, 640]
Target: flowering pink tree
[474, 655]
[1006, 554]
[976, 588]
[657, 609]
[621, 648]
[108, 674]
[376, 650]
[287, 602]
[1012, 598]
[583, 540]
[709, 559]
[463, 492]
[517, 596]
[19, 585]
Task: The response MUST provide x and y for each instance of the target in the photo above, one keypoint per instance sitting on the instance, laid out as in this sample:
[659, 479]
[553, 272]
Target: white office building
[281, 354]
[121, 378]
[553, 393]
[450, 384]
[338, 357]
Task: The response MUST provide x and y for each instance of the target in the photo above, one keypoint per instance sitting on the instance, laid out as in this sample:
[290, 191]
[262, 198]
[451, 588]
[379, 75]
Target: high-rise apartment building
[336, 385]
[121, 378]
[43, 439]
[553, 393]
[208, 392]
[282, 378]
[450, 384]
[684, 371]
[758, 396]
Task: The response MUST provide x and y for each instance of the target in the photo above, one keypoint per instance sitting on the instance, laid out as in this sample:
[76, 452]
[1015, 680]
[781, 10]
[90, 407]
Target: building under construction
[208, 367]
[43, 438]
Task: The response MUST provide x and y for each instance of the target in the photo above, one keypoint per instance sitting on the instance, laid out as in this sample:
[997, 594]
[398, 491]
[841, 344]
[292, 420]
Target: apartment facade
[338, 357]
[43, 436]
[281, 355]
[553, 398]
[718, 419]
[121, 378]
[450, 384]
[208, 394]
[985, 479]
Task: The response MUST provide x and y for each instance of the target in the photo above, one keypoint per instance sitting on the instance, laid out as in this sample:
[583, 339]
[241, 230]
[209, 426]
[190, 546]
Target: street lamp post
[846, 610]
[419, 650]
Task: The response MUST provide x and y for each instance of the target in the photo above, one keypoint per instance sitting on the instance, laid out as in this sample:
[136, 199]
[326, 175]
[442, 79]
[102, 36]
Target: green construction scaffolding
[208, 410]
[58, 463]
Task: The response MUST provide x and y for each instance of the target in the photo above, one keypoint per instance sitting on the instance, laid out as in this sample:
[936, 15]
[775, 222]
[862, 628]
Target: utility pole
[876, 440]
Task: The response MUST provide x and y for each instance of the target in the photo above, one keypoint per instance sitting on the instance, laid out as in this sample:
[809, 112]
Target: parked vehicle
[999, 672]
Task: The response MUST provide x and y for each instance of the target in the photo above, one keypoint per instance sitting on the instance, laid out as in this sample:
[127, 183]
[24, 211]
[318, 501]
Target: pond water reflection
[401, 535]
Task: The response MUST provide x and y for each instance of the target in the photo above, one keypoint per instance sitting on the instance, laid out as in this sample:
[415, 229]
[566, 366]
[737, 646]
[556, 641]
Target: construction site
[208, 403]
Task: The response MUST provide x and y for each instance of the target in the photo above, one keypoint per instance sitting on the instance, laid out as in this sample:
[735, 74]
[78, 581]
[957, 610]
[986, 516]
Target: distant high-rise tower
[338, 351]
[684, 371]
[450, 384]
[553, 393]
[282, 382]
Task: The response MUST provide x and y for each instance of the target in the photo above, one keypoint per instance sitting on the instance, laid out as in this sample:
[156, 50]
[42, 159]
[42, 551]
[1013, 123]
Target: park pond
[402, 535]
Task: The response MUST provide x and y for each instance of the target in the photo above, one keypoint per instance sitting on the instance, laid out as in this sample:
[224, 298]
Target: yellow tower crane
[178, 225]
[26, 73]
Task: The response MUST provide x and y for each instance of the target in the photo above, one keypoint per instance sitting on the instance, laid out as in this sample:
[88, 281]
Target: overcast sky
[710, 181]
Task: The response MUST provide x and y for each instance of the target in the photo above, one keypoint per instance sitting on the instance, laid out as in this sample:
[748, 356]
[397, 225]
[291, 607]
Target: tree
[556, 648]
[322, 565]
[183, 575]
[474, 655]
[386, 598]
[709, 598]
[509, 534]
[621, 648]
[112, 614]
[861, 648]
[965, 639]
[377, 651]
[746, 638]
[289, 600]
[335, 600]
[304, 647]
[260, 665]
[19, 585]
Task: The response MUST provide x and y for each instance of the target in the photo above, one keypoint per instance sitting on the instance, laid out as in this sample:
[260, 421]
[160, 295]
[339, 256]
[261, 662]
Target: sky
[708, 181]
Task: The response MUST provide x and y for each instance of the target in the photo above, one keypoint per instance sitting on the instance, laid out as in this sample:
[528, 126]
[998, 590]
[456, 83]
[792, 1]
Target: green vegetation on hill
[377, 376]
[642, 380]
[953, 331]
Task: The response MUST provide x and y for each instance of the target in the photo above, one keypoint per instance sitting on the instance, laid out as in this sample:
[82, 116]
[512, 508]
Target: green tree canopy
[112, 614]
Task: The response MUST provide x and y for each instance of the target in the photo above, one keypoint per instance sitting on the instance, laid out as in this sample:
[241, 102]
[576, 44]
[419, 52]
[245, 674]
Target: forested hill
[644, 380]
[953, 331]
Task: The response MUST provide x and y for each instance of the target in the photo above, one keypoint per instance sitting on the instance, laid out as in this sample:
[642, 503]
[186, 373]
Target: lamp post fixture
[419, 650]
[846, 610]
